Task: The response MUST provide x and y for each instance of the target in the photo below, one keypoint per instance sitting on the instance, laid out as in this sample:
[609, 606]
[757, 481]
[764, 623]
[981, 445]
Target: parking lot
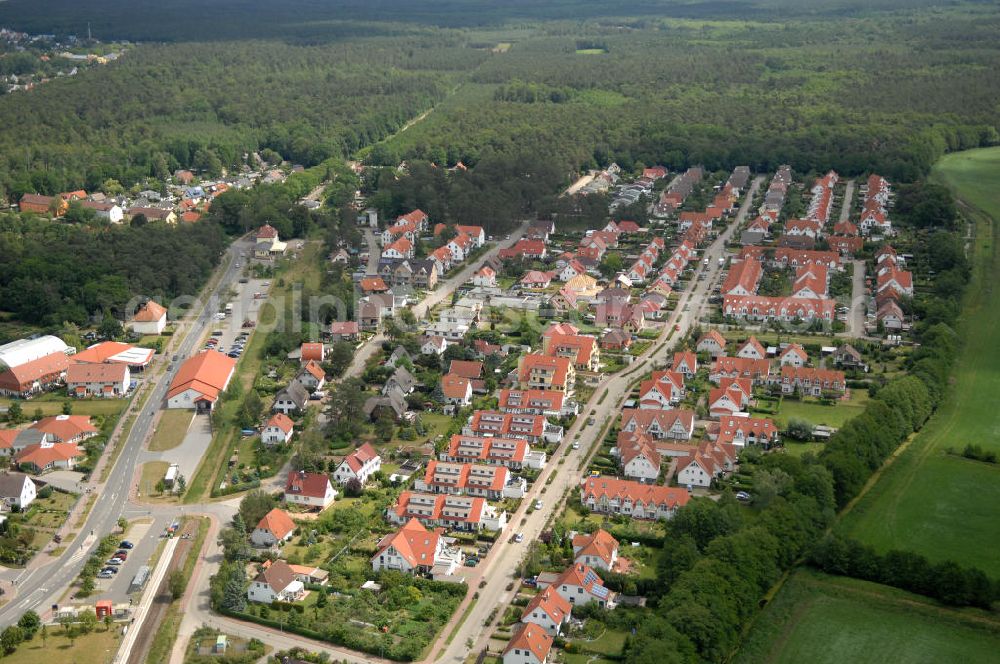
[226, 330]
[145, 536]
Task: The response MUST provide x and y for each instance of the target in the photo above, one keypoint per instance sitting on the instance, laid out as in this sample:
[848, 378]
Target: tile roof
[277, 522]
[208, 372]
[413, 542]
[311, 485]
[531, 638]
[149, 312]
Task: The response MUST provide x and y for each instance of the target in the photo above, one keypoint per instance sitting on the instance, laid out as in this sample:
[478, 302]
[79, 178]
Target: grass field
[51, 404]
[819, 619]
[817, 413]
[152, 472]
[940, 505]
[170, 430]
[98, 646]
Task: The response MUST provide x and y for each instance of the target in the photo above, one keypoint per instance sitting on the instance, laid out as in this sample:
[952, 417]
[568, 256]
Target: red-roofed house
[314, 351]
[579, 585]
[580, 349]
[200, 380]
[66, 428]
[400, 249]
[608, 495]
[456, 389]
[151, 318]
[278, 430]
[548, 610]
[309, 489]
[663, 390]
[640, 459]
[529, 249]
[46, 456]
[677, 424]
[732, 396]
[743, 278]
[415, 550]
[536, 279]
[466, 513]
[686, 363]
[599, 550]
[810, 381]
[485, 277]
[360, 464]
[276, 526]
[751, 349]
[708, 462]
[480, 480]
[742, 431]
[794, 355]
[542, 372]
[97, 380]
[530, 644]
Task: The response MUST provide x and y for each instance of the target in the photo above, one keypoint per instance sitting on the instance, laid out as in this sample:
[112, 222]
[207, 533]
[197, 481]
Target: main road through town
[42, 585]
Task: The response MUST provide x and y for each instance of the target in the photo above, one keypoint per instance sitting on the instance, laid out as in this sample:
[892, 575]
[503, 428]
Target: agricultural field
[818, 619]
[929, 501]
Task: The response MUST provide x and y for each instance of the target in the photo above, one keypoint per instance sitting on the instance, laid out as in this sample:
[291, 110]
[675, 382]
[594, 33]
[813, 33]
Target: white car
[519, 538]
[538, 504]
[576, 445]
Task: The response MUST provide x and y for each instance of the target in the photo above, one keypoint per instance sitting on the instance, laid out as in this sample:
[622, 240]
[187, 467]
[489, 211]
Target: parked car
[538, 504]
[519, 538]
[104, 574]
[115, 561]
[576, 445]
[125, 544]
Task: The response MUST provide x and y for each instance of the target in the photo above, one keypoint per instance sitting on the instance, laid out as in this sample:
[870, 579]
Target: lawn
[152, 472]
[98, 646]
[821, 619]
[170, 430]
[927, 501]
[817, 413]
[52, 404]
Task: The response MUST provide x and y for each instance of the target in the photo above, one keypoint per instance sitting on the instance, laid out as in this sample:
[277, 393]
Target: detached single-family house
[415, 550]
[312, 376]
[712, 343]
[309, 489]
[794, 355]
[16, 490]
[597, 549]
[456, 389]
[548, 610]
[278, 430]
[276, 583]
[579, 585]
[151, 318]
[360, 464]
[529, 645]
[276, 526]
[291, 399]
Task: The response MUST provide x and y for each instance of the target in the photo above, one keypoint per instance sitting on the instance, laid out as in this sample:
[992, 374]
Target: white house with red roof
[151, 318]
[277, 582]
[276, 526]
[456, 389]
[640, 459]
[548, 610]
[756, 370]
[399, 249]
[573, 268]
[486, 277]
[713, 343]
[740, 431]
[473, 479]
[810, 381]
[598, 549]
[461, 246]
[415, 550]
[97, 380]
[732, 396]
[751, 349]
[710, 461]
[529, 645]
[466, 513]
[664, 389]
[309, 490]
[200, 380]
[360, 464]
[610, 495]
[686, 363]
[580, 585]
[793, 355]
[675, 424]
[278, 430]
[312, 376]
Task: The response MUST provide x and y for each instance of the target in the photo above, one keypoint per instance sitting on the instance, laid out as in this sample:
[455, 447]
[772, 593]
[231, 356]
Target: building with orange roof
[810, 381]
[471, 369]
[711, 460]
[598, 549]
[97, 380]
[751, 349]
[713, 343]
[793, 355]
[359, 465]
[743, 278]
[150, 318]
[532, 428]
[485, 277]
[741, 431]
[685, 363]
[662, 390]
[676, 424]
[456, 389]
[309, 489]
[42, 457]
[278, 430]
[470, 479]
[542, 372]
[66, 428]
[200, 380]
[312, 375]
[579, 585]
[609, 495]
[34, 376]
[530, 644]
[639, 458]
[466, 513]
[276, 526]
[581, 349]
[549, 403]
[510, 452]
[43, 204]
[548, 610]
[415, 550]
[373, 285]
[312, 351]
[732, 396]
[399, 249]
[116, 351]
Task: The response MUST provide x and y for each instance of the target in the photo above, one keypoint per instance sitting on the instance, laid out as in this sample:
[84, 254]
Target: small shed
[103, 608]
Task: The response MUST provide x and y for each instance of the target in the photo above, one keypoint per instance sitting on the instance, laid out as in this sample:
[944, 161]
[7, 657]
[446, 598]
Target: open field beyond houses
[938, 504]
[820, 619]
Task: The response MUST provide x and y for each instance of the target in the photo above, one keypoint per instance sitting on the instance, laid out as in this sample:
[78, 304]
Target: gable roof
[360, 456]
[551, 603]
[277, 522]
[466, 368]
[414, 543]
[208, 372]
[149, 312]
[532, 638]
[600, 544]
[455, 387]
[278, 575]
[64, 428]
[311, 485]
[281, 421]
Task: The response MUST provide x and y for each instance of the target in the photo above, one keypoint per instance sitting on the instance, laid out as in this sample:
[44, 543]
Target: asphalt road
[499, 568]
[42, 586]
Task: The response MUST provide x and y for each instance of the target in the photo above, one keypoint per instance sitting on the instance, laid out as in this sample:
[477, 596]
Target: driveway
[188, 453]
